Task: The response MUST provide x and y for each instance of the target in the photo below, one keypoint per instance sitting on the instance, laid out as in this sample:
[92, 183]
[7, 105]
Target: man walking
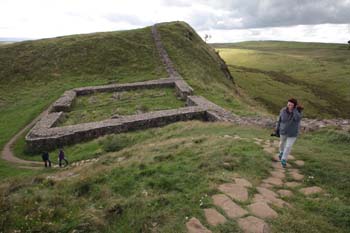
[61, 157]
[46, 159]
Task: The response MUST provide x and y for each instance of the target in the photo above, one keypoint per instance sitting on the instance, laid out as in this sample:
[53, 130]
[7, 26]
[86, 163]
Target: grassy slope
[35, 73]
[271, 72]
[167, 171]
[154, 179]
[194, 60]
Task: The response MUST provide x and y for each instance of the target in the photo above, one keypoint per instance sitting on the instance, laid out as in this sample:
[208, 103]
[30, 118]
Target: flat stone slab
[300, 163]
[269, 196]
[311, 190]
[277, 166]
[292, 184]
[231, 209]
[213, 217]
[243, 182]
[278, 174]
[285, 193]
[235, 191]
[273, 181]
[291, 157]
[252, 224]
[195, 226]
[262, 210]
[266, 185]
[296, 175]
[266, 192]
[269, 149]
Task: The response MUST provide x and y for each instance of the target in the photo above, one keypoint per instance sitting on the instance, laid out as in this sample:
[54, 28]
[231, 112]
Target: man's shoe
[284, 163]
[280, 155]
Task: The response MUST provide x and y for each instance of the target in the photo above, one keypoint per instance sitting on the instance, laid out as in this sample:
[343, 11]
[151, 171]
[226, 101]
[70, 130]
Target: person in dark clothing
[61, 157]
[288, 126]
[46, 159]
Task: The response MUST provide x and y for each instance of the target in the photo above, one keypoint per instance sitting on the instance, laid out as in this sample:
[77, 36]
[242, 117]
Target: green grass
[271, 72]
[161, 180]
[156, 178]
[102, 106]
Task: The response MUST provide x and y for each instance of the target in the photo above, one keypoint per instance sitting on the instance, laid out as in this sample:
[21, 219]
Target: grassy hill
[35, 73]
[151, 180]
[272, 71]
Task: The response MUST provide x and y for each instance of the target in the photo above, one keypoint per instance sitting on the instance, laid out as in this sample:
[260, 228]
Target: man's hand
[300, 107]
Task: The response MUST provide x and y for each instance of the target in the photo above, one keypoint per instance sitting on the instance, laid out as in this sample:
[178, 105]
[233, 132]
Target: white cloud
[225, 20]
[328, 33]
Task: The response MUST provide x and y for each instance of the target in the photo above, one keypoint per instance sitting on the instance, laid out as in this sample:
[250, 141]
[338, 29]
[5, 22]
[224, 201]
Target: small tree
[349, 44]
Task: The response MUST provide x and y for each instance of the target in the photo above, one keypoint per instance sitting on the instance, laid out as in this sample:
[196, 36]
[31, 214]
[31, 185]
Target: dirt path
[8, 155]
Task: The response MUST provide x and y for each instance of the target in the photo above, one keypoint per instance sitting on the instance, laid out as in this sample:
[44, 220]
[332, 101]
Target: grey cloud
[276, 13]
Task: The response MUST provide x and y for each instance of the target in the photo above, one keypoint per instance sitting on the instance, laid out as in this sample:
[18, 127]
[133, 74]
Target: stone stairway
[252, 215]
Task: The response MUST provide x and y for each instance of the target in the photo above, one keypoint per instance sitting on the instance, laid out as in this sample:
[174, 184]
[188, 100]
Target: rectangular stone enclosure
[47, 135]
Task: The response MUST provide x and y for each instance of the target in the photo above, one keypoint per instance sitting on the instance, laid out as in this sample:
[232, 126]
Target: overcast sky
[224, 20]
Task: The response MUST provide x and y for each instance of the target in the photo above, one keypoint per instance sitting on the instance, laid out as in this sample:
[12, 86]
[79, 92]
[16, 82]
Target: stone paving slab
[213, 217]
[195, 226]
[231, 209]
[311, 190]
[235, 191]
[300, 163]
[262, 210]
[292, 184]
[274, 181]
[252, 224]
[243, 182]
[296, 175]
[285, 193]
[278, 174]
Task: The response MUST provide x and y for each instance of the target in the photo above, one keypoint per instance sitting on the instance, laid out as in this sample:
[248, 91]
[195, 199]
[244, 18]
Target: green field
[154, 180]
[271, 72]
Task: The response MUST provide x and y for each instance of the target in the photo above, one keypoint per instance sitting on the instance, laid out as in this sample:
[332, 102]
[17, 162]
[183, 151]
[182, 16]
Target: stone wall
[44, 137]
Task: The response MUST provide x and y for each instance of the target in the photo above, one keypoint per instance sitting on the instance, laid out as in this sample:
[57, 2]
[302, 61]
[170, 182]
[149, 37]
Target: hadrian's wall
[45, 135]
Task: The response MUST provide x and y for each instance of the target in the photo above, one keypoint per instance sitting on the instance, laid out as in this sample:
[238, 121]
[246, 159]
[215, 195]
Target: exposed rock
[262, 210]
[252, 224]
[231, 209]
[311, 190]
[235, 191]
[195, 226]
[213, 217]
